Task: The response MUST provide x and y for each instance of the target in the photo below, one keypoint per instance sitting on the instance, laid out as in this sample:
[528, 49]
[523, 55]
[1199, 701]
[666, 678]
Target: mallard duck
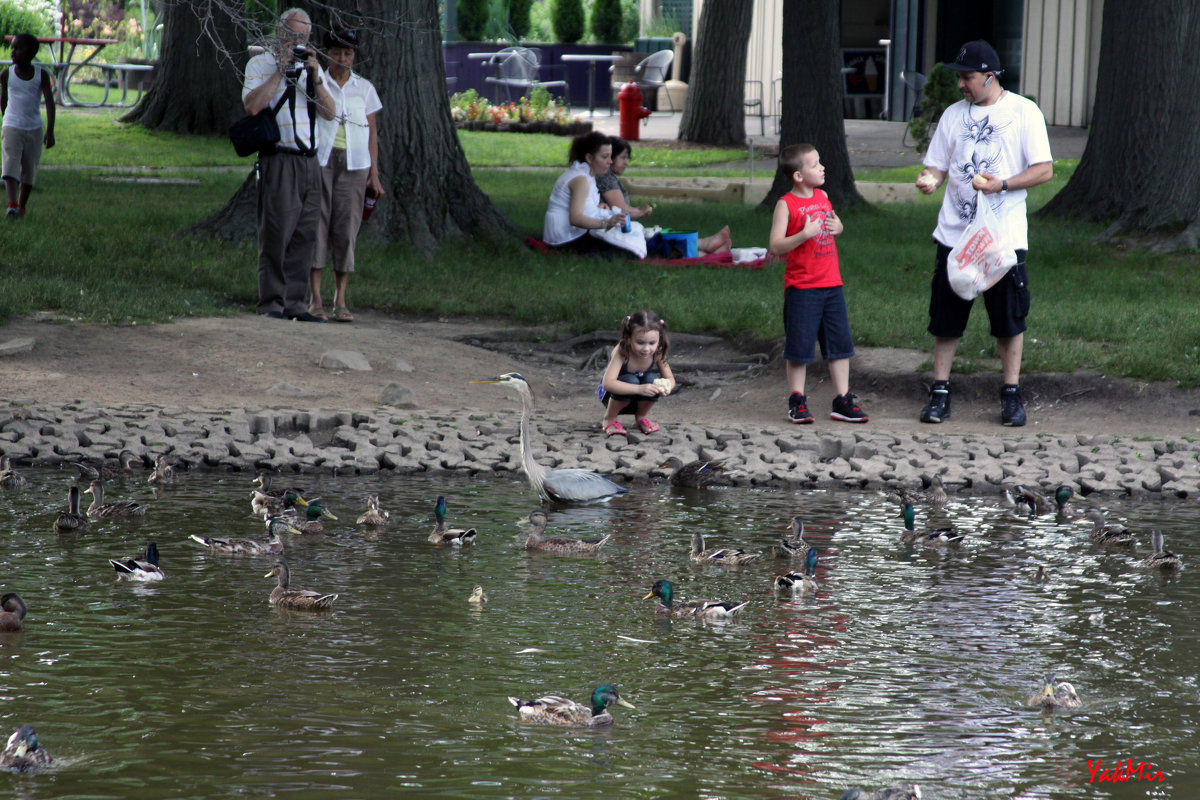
[553, 710]
[443, 535]
[913, 792]
[374, 515]
[273, 546]
[1054, 694]
[1038, 503]
[800, 583]
[127, 462]
[102, 510]
[314, 512]
[795, 547]
[1104, 533]
[478, 597]
[24, 753]
[284, 596]
[144, 569]
[9, 477]
[566, 545]
[695, 474]
[724, 556]
[1161, 558]
[268, 502]
[934, 495]
[163, 472]
[932, 538]
[12, 613]
[71, 521]
[704, 609]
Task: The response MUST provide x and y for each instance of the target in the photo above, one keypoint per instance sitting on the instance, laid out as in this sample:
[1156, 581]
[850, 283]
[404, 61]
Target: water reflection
[910, 665]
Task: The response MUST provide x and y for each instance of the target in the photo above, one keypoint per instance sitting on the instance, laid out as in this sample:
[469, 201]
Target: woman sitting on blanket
[614, 196]
[574, 209]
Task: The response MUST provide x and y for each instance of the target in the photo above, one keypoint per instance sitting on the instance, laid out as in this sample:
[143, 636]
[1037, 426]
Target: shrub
[631, 24]
[472, 19]
[26, 16]
[567, 18]
[518, 17]
[606, 21]
[941, 91]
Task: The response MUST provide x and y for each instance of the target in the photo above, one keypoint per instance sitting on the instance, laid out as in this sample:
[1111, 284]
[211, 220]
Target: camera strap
[290, 96]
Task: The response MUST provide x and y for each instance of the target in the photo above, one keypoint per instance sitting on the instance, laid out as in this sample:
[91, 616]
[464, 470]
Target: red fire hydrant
[632, 111]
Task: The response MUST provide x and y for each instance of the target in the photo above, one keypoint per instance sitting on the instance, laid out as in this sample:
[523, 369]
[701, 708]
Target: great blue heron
[559, 485]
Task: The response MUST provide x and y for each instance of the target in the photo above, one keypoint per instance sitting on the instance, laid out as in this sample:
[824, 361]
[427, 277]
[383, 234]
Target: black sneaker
[304, 316]
[938, 407]
[798, 409]
[845, 408]
[1012, 407]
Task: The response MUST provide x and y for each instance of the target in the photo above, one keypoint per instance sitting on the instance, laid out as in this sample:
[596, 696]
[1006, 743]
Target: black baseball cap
[342, 37]
[976, 56]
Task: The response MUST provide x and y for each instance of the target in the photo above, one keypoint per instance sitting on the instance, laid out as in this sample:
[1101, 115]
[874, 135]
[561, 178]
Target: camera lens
[300, 53]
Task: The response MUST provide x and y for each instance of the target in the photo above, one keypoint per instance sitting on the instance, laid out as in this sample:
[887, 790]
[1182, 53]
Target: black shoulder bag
[255, 132]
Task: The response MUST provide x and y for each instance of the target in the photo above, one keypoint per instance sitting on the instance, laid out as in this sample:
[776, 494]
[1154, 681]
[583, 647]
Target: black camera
[300, 53]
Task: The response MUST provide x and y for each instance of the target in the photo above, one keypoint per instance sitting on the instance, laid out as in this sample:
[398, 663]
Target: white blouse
[557, 228]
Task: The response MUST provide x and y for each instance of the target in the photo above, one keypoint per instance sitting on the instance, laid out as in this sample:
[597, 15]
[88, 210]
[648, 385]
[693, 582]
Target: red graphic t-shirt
[814, 264]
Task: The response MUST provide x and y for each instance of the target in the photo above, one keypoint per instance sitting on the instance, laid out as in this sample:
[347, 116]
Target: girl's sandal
[342, 314]
[614, 427]
[646, 426]
[317, 311]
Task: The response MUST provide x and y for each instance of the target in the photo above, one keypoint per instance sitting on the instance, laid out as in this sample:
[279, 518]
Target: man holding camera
[288, 79]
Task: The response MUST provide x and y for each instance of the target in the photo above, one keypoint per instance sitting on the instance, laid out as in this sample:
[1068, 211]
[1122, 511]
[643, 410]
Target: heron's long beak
[489, 380]
[622, 701]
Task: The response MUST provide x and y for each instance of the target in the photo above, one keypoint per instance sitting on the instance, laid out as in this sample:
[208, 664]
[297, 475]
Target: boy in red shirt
[814, 308]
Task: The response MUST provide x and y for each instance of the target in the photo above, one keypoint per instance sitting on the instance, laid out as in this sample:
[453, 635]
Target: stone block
[398, 395]
[344, 359]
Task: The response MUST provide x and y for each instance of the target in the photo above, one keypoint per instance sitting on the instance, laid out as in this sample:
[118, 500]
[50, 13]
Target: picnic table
[65, 67]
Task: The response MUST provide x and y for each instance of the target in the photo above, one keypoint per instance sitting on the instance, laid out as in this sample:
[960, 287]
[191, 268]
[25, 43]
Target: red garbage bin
[632, 111]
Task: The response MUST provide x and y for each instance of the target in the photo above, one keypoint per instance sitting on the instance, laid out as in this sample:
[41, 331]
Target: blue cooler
[670, 243]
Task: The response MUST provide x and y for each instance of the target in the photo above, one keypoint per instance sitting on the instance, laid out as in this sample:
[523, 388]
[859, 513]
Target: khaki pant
[342, 194]
[289, 208]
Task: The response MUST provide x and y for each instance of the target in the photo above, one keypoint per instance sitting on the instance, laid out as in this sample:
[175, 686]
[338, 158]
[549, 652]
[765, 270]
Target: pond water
[908, 666]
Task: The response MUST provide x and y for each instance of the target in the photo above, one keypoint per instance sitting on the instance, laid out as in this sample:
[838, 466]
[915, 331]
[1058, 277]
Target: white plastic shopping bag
[981, 256]
[634, 240]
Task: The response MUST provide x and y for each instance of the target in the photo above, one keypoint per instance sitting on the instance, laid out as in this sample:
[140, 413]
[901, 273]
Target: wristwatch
[1003, 186]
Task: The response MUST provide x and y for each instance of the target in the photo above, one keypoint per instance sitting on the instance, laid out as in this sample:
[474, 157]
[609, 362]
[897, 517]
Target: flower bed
[540, 113]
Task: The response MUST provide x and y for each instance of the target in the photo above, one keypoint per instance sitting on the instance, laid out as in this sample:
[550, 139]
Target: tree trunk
[1138, 169]
[812, 97]
[238, 219]
[715, 113]
[196, 88]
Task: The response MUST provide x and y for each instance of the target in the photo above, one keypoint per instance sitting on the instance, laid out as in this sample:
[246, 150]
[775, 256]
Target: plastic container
[369, 205]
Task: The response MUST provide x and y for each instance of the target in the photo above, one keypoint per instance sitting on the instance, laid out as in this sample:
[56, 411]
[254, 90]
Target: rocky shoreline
[416, 441]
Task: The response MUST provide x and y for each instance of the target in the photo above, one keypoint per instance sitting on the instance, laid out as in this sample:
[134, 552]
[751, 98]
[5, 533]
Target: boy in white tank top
[22, 137]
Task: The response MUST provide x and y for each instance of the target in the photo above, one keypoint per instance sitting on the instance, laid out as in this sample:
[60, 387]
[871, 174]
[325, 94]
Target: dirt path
[251, 362]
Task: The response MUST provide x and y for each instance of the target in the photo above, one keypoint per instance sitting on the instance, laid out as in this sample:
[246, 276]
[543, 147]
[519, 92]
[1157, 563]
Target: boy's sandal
[317, 311]
[647, 426]
[614, 427]
[342, 314]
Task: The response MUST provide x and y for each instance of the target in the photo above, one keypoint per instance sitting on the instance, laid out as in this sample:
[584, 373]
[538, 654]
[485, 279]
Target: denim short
[1007, 302]
[630, 401]
[812, 316]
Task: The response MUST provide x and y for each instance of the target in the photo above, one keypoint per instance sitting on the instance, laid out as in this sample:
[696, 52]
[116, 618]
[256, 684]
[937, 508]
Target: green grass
[104, 251]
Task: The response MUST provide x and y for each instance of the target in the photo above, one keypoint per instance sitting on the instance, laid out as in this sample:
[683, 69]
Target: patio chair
[651, 73]
[752, 99]
[520, 68]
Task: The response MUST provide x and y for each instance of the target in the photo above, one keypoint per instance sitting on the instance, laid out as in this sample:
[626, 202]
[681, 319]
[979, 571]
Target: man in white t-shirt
[1001, 138]
[289, 177]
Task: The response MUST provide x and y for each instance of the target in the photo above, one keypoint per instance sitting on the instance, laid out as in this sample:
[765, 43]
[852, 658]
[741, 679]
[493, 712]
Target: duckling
[443, 535]
[1054, 694]
[1161, 558]
[478, 597]
[794, 547]
[127, 462]
[24, 753]
[163, 473]
[932, 538]
[144, 569]
[102, 510]
[374, 515]
[273, 546]
[554, 710]
[1108, 534]
[724, 556]
[565, 545]
[703, 609]
[9, 477]
[71, 521]
[695, 474]
[284, 596]
[913, 792]
[12, 613]
[800, 583]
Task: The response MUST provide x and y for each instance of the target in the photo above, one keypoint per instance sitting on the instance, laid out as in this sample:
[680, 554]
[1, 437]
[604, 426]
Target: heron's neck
[533, 470]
